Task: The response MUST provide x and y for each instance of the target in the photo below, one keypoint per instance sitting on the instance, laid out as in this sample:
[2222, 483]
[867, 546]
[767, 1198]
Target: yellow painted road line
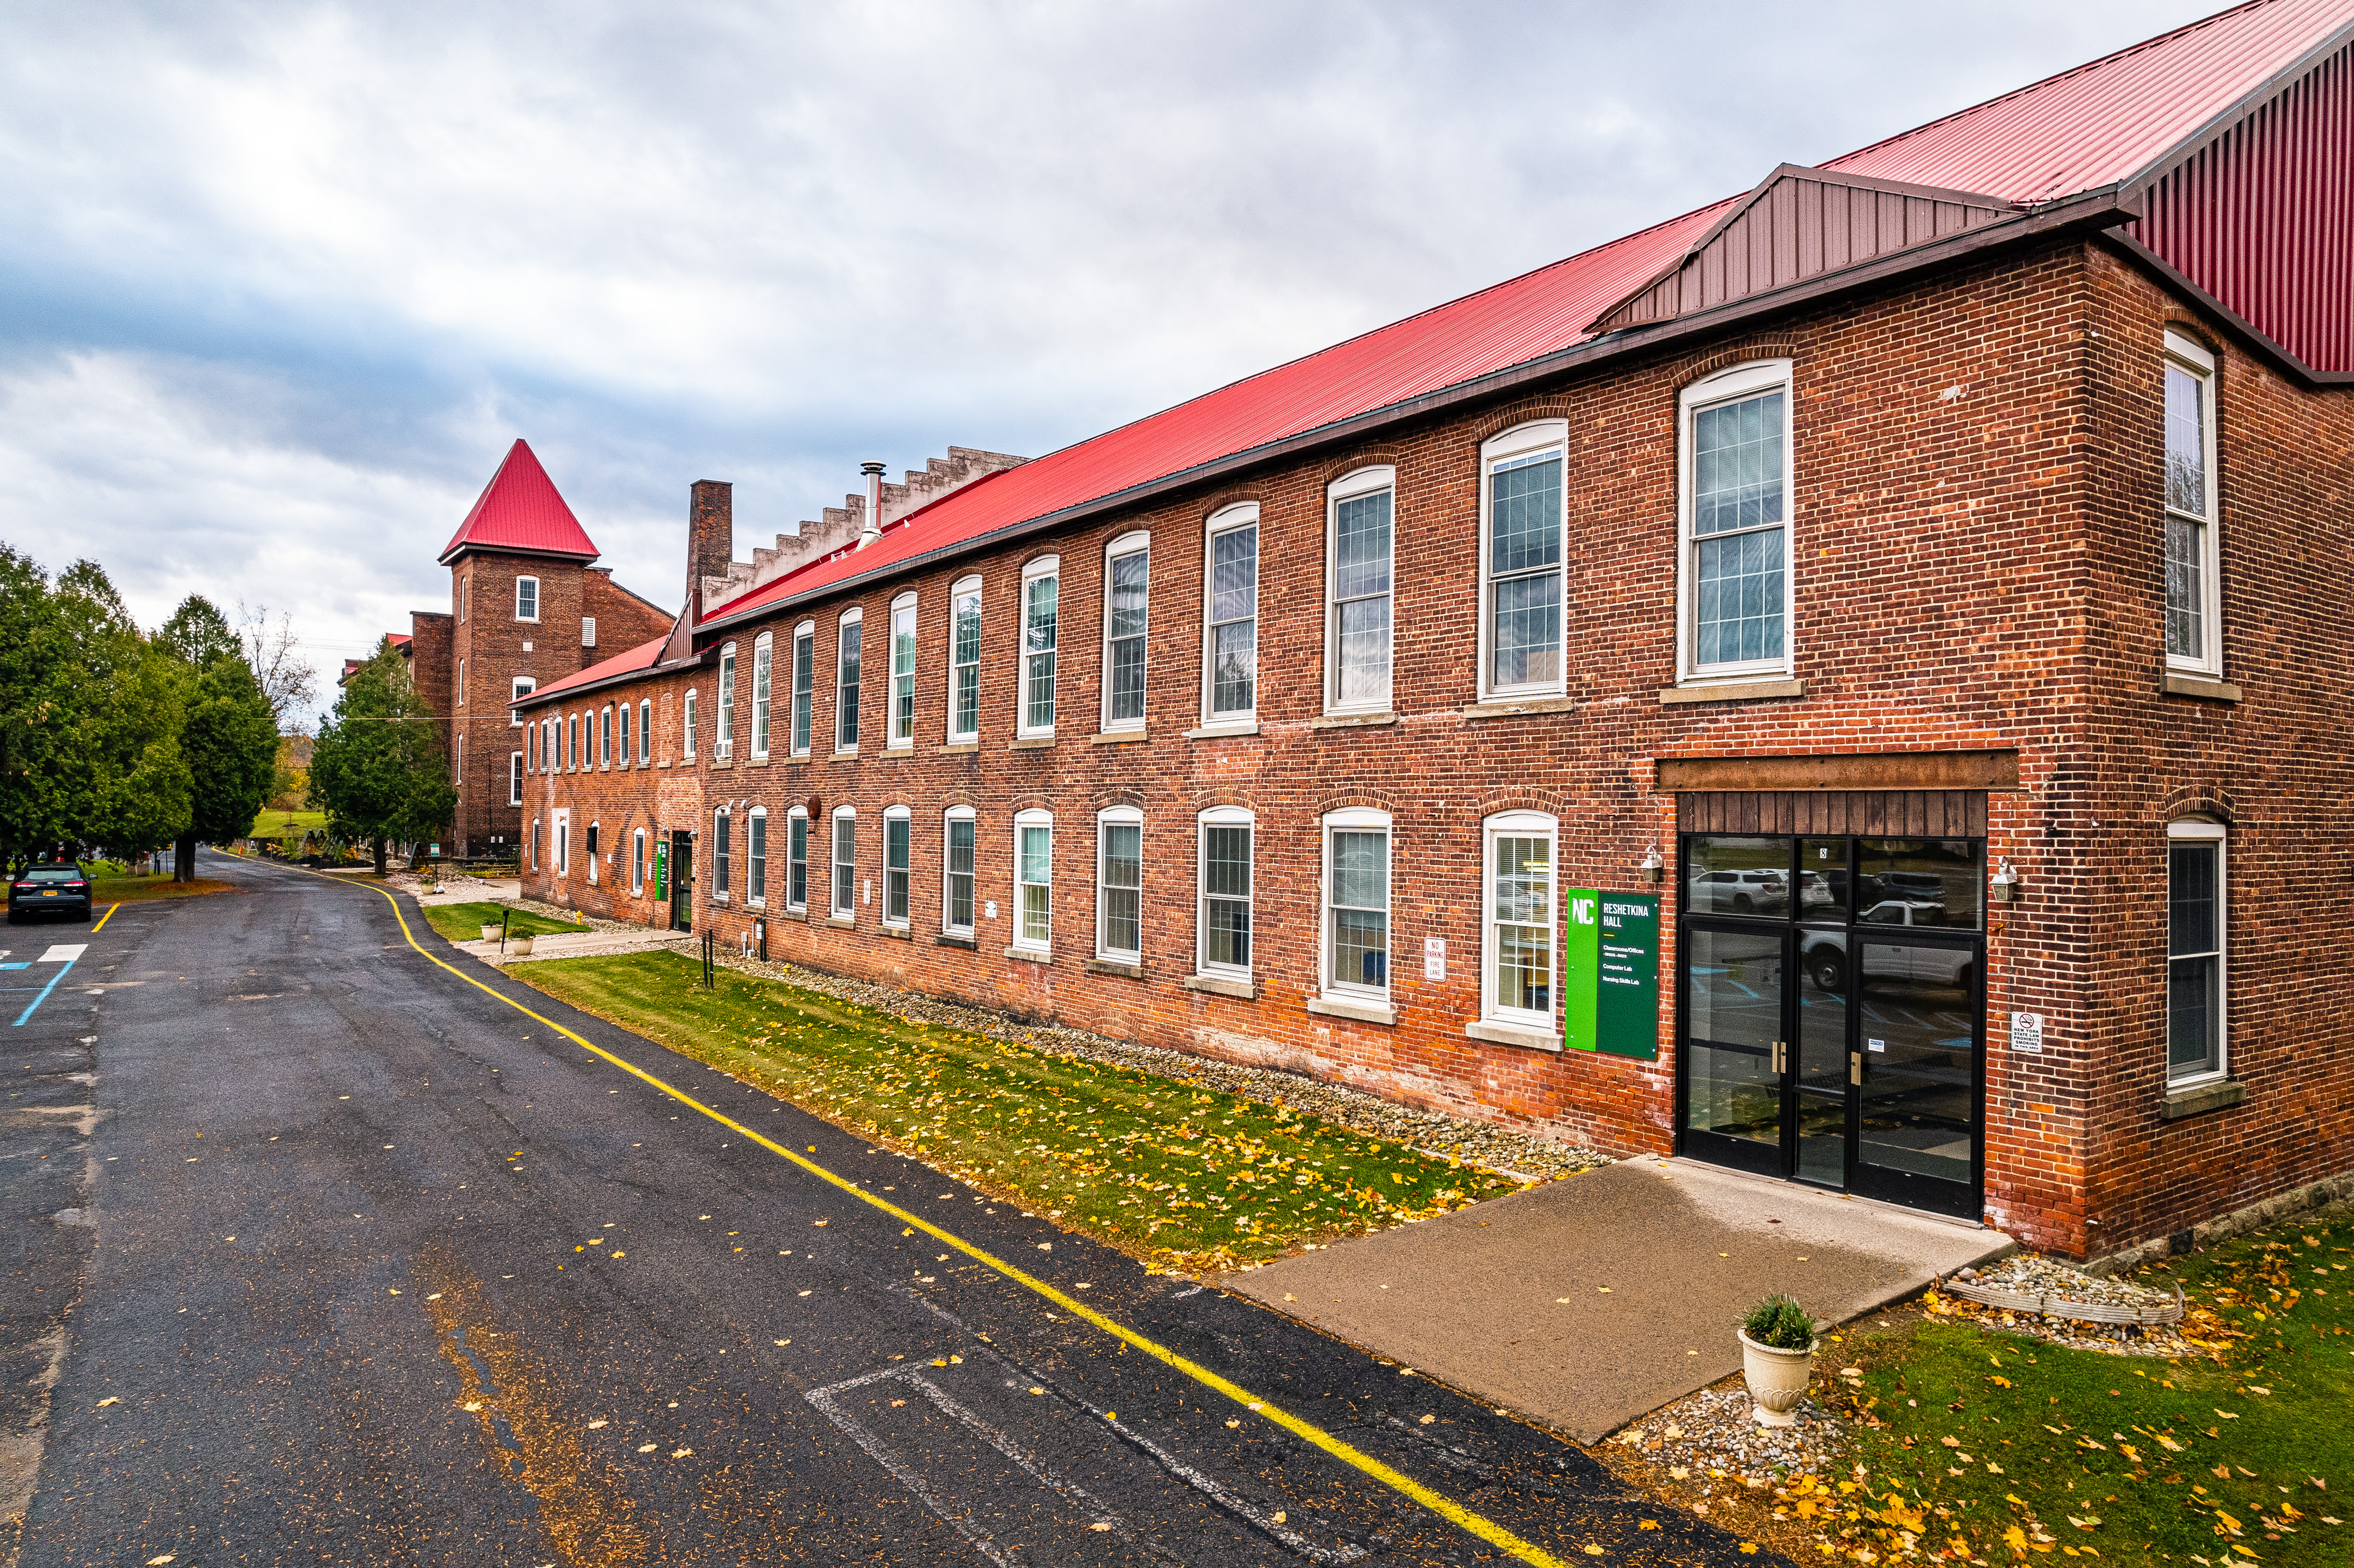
[1446, 1508]
[102, 919]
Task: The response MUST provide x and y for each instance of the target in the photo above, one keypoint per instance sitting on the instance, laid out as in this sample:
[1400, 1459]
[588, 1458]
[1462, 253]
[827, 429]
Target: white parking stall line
[63, 953]
[882, 1454]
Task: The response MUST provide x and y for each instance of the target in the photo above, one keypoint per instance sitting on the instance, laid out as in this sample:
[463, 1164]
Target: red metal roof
[644, 656]
[2083, 129]
[520, 510]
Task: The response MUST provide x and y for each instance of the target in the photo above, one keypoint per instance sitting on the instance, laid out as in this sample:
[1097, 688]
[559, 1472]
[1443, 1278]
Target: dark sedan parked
[49, 888]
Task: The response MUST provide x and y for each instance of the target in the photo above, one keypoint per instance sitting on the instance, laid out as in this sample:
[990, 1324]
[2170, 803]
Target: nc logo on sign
[1581, 910]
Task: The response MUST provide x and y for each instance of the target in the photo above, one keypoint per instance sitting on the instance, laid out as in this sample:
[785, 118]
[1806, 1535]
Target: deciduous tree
[376, 767]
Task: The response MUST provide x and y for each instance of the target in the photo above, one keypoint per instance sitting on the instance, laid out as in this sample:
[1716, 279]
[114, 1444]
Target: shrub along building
[1845, 683]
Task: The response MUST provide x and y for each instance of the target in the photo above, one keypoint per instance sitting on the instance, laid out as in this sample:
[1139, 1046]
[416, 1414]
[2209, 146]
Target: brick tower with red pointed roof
[528, 605]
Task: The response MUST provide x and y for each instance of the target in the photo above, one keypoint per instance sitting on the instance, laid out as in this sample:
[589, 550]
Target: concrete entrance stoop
[1593, 1301]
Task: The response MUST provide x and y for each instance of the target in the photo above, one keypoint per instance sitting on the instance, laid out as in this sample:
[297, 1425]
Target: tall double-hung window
[526, 598]
[804, 684]
[896, 870]
[846, 680]
[1230, 628]
[1359, 553]
[1520, 929]
[1034, 881]
[1225, 883]
[797, 858]
[2195, 949]
[756, 856]
[845, 862]
[2193, 589]
[521, 686]
[1735, 503]
[604, 738]
[645, 730]
[626, 728]
[1041, 585]
[1120, 884]
[956, 907]
[902, 672]
[964, 660]
[763, 660]
[723, 733]
[686, 727]
[1126, 582]
[1522, 550]
[722, 852]
[1356, 937]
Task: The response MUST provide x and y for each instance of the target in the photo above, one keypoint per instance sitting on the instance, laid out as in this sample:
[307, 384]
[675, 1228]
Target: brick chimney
[710, 533]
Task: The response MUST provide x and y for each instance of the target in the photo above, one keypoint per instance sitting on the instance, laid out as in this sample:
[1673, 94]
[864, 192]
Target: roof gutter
[2088, 211]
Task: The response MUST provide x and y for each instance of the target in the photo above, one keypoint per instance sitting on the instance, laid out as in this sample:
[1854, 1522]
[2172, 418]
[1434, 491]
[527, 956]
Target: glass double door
[1833, 1051]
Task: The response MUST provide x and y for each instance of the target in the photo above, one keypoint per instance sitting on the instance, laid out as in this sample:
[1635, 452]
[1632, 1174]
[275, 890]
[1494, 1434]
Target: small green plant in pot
[1778, 1358]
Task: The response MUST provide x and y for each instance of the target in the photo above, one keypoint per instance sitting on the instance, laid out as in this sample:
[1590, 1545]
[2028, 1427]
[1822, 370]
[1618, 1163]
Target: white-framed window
[686, 727]
[722, 852]
[589, 846]
[902, 735]
[2194, 598]
[625, 753]
[897, 830]
[804, 684]
[1520, 929]
[2198, 1036]
[645, 730]
[964, 660]
[535, 843]
[1360, 552]
[1034, 881]
[723, 732]
[572, 744]
[1224, 875]
[465, 596]
[1040, 586]
[1120, 884]
[763, 661]
[515, 778]
[605, 737]
[638, 861]
[458, 770]
[1230, 624]
[847, 641]
[756, 856]
[559, 838]
[846, 862]
[1128, 577]
[1734, 493]
[958, 827]
[588, 631]
[461, 683]
[1356, 935]
[520, 687]
[526, 598]
[797, 858]
[531, 747]
[1523, 585]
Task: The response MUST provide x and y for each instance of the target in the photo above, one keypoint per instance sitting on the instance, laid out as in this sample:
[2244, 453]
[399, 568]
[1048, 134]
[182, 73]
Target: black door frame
[682, 880]
[1780, 1160]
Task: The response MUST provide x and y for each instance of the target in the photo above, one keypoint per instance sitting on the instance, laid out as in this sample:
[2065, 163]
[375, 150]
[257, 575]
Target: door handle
[1781, 1056]
[1855, 1067]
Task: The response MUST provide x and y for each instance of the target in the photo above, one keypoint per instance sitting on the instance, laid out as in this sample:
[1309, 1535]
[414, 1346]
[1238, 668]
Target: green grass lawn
[1166, 1170]
[1992, 1446]
[464, 922]
[276, 824]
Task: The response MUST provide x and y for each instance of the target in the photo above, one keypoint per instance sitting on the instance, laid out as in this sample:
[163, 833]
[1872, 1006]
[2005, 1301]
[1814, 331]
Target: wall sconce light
[1651, 865]
[2006, 880]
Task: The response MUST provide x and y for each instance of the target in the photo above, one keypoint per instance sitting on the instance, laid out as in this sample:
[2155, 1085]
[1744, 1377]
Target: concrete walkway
[1593, 1301]
[577, 945]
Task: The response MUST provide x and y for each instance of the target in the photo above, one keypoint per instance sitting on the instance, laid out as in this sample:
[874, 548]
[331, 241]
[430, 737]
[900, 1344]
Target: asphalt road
[333, 1257]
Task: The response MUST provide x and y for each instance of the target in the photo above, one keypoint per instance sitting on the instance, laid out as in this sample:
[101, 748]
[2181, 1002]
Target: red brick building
[1845, 683]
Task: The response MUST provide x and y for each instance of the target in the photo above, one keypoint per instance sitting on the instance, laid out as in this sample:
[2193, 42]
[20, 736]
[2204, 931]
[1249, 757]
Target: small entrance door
[682, 882]
[1831, 1004]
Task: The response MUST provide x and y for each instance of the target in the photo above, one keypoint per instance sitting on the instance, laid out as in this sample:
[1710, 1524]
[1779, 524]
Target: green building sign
[661, 869]
[1610, 973]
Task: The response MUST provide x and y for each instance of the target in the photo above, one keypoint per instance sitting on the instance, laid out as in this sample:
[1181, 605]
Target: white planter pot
[519, 947]
[1777, 1380]
[489, 930]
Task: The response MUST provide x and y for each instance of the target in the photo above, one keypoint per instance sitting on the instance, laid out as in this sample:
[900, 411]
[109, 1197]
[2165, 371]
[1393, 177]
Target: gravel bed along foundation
[1711, 1441]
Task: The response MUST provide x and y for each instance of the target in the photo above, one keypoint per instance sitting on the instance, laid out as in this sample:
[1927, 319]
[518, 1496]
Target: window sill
[1730, 692]
[898, 933]
[842, 922]
[2200, 1099]
[1218, 985]
[1363, 1012]
[756, 762]
[1504, 707]
[950, 939]
[1513, 1034]
[955, 745]
[801, 761]
[799, 916]
[1351, 721]
[663, 763]
[721, 762]
[1221, 731]
[1114, 967]
[1029, 955]
[841, 751]
[893, 753]
[2208, 687]
[1032, 743]
[1115, 738]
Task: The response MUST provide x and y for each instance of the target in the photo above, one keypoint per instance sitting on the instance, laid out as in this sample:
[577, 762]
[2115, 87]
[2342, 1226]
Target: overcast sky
[280, 284]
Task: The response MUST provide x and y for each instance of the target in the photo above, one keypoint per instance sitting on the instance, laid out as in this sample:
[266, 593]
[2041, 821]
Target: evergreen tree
[376, 767]
[228, 735]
